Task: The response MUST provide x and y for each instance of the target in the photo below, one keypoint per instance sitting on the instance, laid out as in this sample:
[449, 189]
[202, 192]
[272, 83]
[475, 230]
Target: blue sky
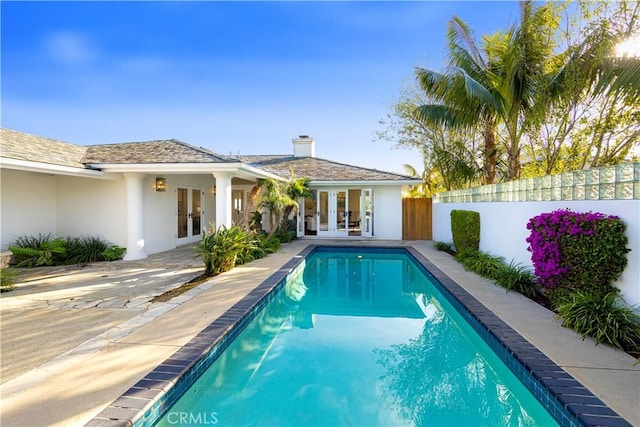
[233, 77]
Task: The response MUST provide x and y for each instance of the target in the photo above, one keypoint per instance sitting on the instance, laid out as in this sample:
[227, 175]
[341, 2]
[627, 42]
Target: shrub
[443, 246]
[604, 318]
[285, 234]
[515, 277]
[7, 279]
[31, 251]
[270, 244]
[482, 263]
[43, 249]
[465, 228]
[578, 251]
[81, 250]
[113, 253]
[221, 248]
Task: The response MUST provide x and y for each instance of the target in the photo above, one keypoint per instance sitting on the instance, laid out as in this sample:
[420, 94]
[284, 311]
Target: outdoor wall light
[161, 184]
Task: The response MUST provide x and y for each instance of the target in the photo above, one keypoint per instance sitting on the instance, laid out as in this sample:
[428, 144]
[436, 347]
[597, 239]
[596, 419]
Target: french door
[189, 213]
[366, 212]
[332, 215]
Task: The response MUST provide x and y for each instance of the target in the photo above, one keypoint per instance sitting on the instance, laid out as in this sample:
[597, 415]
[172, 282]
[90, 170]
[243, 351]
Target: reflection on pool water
[360, 339]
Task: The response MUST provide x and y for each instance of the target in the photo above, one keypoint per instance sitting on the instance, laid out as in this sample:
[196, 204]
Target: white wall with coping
[28, 204]
[503, 230]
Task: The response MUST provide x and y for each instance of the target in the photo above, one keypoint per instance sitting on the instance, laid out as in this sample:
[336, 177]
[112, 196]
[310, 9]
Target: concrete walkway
[73, 341]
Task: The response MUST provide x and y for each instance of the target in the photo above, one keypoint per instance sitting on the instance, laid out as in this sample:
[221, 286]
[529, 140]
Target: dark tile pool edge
[555, 388]
[146, 401]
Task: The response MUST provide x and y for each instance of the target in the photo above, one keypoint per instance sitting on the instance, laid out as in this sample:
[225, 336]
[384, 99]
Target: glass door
[333, 218]
[323, 213]
[341, 214]
[238, 215]
[183, 212]
[300, 223]
[189, 212]
[367, 213]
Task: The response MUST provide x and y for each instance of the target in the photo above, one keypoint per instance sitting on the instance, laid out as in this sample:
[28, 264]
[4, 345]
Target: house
[156, 195]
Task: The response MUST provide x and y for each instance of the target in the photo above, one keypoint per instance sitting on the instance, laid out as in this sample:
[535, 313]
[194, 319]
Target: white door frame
[300, 218]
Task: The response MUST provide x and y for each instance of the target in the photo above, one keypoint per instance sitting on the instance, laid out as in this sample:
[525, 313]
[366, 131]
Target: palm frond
[434, 84]
[440, 114]
[620, 75]
[477, 91]
[461, 40]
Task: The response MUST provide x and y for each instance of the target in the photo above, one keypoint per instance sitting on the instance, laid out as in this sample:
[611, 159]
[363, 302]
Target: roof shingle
[317, 169]
[162, 151]
[23, 146]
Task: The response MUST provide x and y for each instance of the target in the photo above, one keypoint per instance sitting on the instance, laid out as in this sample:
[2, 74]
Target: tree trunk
[490, 153]
[515, 168]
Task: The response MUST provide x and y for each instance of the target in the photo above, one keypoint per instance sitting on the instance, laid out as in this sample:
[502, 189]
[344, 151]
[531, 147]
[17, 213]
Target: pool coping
[151, 395]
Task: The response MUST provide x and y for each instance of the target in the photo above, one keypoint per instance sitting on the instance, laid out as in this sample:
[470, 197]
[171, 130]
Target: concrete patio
[73, 340]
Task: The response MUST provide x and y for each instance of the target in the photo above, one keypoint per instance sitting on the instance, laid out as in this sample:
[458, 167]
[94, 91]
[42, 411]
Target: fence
[506, 208]
[416, 219]
[621, 182]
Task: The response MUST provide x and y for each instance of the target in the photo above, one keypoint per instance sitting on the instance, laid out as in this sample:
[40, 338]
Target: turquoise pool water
[358, 339]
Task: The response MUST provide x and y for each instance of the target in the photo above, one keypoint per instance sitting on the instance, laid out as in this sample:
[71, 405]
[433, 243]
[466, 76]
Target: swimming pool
[359, 339]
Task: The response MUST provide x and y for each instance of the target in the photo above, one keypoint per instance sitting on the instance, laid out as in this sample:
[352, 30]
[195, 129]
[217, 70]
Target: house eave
[240, 169]
[364, 183]
[51, 169]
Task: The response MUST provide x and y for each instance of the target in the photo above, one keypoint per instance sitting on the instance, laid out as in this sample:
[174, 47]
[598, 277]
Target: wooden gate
[416, 219]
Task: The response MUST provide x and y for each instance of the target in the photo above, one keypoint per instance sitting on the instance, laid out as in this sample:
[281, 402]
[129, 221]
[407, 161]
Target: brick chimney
[304, 146]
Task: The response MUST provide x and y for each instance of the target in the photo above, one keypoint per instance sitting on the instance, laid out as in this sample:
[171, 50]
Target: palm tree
[463, 89]
[296, 188]
[516, 70]
[491, 87]
[275, 199]
[280, 198]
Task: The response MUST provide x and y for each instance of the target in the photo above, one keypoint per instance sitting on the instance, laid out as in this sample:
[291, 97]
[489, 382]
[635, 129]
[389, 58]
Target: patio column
[135, 219]
[223, 199]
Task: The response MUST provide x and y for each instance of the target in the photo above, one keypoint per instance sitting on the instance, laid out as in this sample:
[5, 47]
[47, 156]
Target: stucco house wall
[91, 207]
[387, 212]
[160, 210]
[28, 204]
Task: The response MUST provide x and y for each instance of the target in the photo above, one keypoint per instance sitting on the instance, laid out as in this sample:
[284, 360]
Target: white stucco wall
[503, 230]
[27, 204]
[160, 210]
[92, 207]
[387, 216]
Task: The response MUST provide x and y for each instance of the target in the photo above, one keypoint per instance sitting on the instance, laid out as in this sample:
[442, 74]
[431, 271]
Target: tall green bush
[465, 228]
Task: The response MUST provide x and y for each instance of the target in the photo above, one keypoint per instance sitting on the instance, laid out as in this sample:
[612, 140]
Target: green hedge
[465, 228]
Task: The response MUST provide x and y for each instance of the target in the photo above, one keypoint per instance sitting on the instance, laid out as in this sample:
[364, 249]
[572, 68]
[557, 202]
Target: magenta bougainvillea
[574, 250]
